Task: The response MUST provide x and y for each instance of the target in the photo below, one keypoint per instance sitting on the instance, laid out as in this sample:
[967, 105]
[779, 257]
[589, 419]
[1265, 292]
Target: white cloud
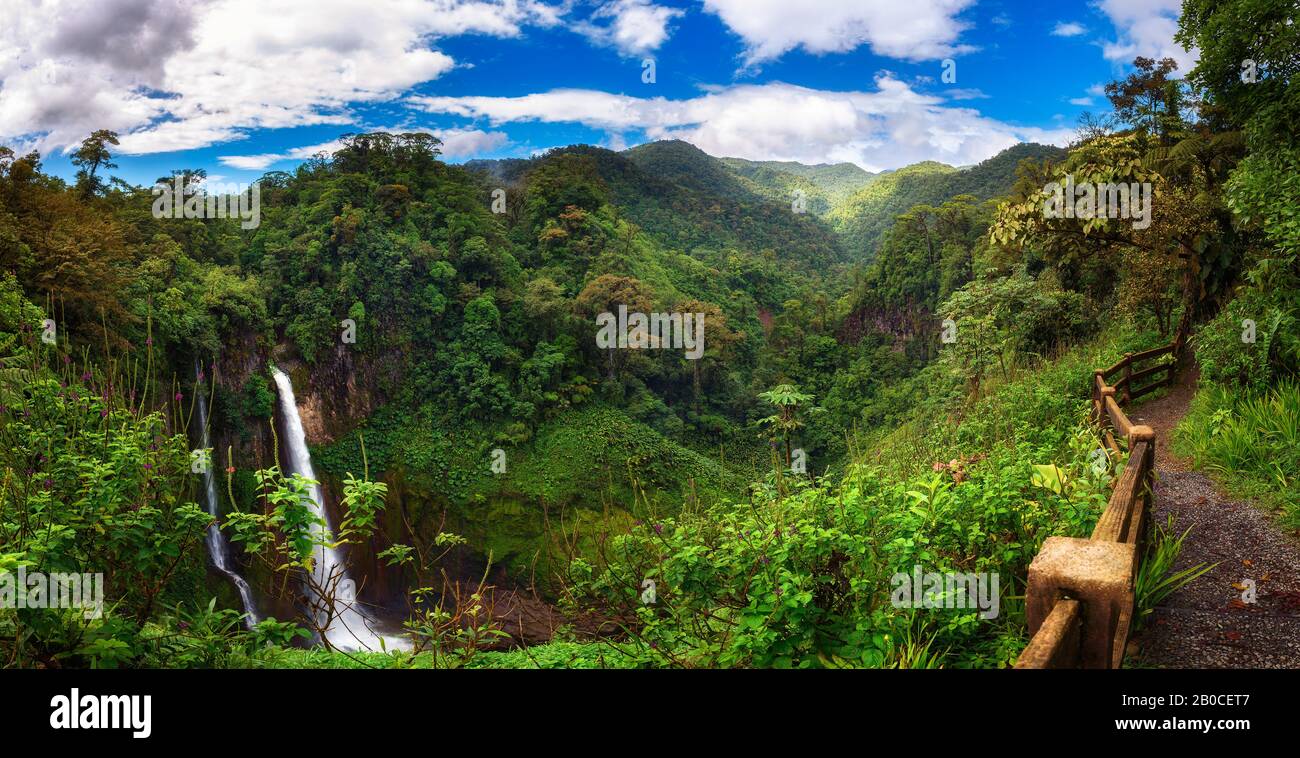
[261, 161]
[469, 143]
[172, 75]
[915, 30]
[1068, 29]
[635, 27]
[889, 127]
[1097, 90]
[1081, 101]
[1145, 27]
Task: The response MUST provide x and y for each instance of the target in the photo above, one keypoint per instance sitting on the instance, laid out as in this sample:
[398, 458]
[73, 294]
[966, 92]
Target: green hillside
[863, 217]
[824, 185]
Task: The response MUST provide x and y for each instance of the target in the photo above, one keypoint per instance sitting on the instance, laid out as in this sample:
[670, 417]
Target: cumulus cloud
[889, 127]
[1068, 29]
[635, 27]
[1145, 27]
[916, 30]
[1085, 101]
[469, 143]
[262, 160]
[175, 75]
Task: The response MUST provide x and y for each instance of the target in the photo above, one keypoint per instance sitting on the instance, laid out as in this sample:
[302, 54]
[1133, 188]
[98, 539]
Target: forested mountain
[863, 217]
[824, 185]
[688, 201]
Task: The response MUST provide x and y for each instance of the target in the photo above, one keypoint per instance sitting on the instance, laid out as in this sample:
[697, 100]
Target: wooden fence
[1079, 598]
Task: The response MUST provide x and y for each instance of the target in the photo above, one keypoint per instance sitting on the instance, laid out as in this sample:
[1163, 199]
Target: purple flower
[659, 528]
[85, 377]
[148, 342]
[67, 359]
[148, 467]
[103, 413]
[178, 397]
[49, 483]
[201, 375]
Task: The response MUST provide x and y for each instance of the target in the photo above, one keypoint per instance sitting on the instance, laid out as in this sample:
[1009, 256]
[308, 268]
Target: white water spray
[350, 627]
[217, 547]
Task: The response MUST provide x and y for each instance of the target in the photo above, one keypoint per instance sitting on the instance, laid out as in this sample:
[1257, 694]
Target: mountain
[689, 200]
[824, 185]
[863, 217]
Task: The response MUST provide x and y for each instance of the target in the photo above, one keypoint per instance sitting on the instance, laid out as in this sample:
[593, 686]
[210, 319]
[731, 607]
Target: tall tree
[90, 158]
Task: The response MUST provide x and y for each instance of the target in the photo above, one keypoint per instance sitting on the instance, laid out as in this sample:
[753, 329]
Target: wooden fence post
[1099, 575]
[1128, 378]
[1098, 407]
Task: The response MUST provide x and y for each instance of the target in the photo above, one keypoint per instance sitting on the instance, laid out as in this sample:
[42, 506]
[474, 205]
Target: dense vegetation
[830, 437]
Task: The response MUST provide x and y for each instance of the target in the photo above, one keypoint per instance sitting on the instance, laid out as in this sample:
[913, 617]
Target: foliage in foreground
[1250, 440]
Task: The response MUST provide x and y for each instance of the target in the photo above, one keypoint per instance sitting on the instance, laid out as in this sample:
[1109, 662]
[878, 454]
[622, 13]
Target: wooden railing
[1079, 598]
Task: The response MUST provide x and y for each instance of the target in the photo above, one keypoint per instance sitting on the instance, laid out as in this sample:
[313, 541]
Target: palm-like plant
[789, 401]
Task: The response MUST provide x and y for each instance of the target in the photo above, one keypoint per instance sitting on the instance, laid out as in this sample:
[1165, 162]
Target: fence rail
[1079, 598]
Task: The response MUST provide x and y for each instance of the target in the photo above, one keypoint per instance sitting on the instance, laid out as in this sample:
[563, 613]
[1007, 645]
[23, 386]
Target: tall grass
[1250, 441]
[1154, 582]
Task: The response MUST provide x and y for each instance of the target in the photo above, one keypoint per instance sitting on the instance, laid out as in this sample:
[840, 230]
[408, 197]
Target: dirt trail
[1206, 624]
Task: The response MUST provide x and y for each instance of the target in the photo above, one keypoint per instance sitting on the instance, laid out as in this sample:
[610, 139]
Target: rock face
[339, 391]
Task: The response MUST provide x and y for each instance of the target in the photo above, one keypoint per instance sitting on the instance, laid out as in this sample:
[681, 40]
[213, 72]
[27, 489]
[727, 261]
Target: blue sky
[241, 87]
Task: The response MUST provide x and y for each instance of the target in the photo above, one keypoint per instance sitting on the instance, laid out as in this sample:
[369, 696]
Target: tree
[605, 294]
[92, 156]
[787, 420]
[718, 340]
[1182, 221]
[1149, 99]
[1247, 71]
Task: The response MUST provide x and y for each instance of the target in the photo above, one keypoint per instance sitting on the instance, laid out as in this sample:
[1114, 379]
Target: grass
[1155, 582]
[1250, 442]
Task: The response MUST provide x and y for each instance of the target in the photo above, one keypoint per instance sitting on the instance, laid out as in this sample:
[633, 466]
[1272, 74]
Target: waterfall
[217, 547]
[351, 627]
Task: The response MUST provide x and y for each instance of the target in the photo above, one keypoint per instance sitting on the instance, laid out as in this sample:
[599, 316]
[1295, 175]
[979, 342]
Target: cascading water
[217, 547]
[350, 627]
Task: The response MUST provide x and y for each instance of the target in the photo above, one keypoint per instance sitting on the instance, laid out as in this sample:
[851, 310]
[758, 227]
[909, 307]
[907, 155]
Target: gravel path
[1207, 624]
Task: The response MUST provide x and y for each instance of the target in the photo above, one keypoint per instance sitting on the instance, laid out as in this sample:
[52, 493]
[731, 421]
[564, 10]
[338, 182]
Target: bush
[1223, 347]
[1252, 440]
